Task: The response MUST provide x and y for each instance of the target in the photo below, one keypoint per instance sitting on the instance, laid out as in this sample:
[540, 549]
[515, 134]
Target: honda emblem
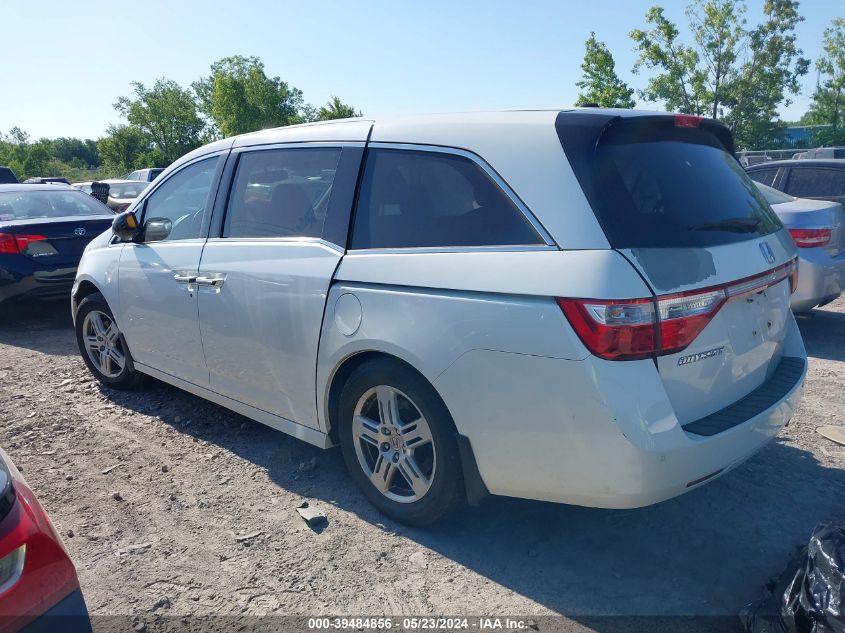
[768, 253]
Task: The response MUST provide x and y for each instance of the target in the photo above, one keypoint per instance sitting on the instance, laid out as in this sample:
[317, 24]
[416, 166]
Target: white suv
[588, 306]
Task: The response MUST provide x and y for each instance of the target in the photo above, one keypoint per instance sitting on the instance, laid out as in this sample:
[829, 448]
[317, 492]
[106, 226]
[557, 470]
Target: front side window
[281, 193]
[182, 199]
[805, 182]
[431, 199]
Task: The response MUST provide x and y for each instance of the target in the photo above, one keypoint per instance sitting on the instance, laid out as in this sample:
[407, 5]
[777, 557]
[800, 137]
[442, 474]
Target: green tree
[828, 100]
[600, 83]
[167, 115]
[75, 151]
[123, 148]
[239, 97]
[728, 71]
[336, 109]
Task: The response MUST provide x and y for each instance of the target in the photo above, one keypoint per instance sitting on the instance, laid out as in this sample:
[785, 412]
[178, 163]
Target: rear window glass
[772, 195]
[29, 205]
[766, 176]
[805, 182]
[652, 185]
[126, 190]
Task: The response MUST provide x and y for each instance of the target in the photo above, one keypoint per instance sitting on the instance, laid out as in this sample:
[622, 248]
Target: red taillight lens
[683, 316]
[8, 245]
[688, 120]
[616, 330]
[13, 244]
[630, 329]
[810, 238]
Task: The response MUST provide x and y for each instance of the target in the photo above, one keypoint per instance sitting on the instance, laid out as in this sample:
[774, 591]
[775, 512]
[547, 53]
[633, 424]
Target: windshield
[772, 195]
[652, 184]
[126, 190]
[29, 205]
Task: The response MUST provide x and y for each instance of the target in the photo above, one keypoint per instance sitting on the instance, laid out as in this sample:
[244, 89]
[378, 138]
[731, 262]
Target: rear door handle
[216, 281]
[185, 279]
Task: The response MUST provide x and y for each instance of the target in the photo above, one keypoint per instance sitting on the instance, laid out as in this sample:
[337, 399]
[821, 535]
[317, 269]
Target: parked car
[46, 180]
[818, 229]
[39, 588]
[588, 306]
[121, 192]
[7, 176]
[146, 175]
[825, 152]
[815, 178]
[43, 231]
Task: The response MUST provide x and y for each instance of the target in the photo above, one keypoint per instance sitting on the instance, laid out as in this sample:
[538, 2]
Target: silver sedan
[818, 229]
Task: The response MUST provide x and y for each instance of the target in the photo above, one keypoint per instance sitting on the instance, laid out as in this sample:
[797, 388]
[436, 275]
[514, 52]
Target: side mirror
[157, 229]
[125, 227]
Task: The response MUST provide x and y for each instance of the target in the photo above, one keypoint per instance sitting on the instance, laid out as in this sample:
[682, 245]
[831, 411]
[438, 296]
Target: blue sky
[66, 63]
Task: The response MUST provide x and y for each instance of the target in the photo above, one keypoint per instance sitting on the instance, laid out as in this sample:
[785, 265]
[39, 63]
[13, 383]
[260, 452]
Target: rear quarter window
[432, 199]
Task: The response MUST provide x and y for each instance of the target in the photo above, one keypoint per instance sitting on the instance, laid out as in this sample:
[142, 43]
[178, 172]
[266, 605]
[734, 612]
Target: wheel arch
[474, 487]
[341, 374]
[85, 288]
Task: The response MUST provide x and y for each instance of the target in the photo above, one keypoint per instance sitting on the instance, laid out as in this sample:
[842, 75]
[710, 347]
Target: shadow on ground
[39, 326]
[706, 553]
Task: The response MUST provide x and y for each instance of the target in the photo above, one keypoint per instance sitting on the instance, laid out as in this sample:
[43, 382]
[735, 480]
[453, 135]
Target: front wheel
[101, 345]
[399, 443]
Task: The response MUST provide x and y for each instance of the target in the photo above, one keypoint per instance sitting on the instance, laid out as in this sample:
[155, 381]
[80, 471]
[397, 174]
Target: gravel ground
[171, 505]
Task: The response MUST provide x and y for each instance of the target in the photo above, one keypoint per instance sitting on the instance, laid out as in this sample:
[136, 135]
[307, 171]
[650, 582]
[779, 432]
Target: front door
[263, 282]
[157, 277]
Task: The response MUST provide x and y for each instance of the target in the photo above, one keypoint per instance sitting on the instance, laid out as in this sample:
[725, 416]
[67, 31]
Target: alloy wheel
[393, 444]
[103, 344]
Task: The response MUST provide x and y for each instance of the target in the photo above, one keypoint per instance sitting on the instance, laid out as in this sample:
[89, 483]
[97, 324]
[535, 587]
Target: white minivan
[584, 306]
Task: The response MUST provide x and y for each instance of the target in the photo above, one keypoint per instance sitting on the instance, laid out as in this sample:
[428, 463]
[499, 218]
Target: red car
[39, 589]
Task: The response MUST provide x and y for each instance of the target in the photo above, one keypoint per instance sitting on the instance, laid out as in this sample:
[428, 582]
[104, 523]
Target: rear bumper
[821, 278]
[69, 616]
[35, 283]
[594, 433]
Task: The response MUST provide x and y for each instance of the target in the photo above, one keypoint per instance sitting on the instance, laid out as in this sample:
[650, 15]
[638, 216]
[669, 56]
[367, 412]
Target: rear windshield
[654, 185]
[29, 205]
[772, 195]
[126, 190]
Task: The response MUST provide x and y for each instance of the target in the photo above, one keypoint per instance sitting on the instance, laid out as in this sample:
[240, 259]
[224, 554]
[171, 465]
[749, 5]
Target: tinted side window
[766, 176]
[281, 193]
[418, 199]
[183, 198]
[806, 182]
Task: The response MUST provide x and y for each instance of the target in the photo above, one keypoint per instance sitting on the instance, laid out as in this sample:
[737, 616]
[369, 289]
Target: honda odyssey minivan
[585, 306]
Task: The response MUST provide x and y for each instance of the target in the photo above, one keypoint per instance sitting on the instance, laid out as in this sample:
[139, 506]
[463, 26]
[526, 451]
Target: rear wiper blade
[737, 225]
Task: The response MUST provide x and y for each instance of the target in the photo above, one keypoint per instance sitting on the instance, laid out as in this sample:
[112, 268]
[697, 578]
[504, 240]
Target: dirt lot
[172, 505]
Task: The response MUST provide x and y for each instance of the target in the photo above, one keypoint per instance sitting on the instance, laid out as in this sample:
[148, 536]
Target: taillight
[810, 238]
[688, 120]
[13, 244]
[616, 330]
[631, 329]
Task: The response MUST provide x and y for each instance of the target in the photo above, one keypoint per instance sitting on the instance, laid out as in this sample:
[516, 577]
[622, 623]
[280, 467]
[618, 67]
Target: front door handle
[185, 279]
[215, 281]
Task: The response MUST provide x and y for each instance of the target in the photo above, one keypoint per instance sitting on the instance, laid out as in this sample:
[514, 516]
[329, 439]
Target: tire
[95, 326]
[397, 459]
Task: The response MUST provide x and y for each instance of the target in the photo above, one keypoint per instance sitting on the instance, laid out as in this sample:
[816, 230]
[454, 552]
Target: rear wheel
[398, 442]
[101, 345]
